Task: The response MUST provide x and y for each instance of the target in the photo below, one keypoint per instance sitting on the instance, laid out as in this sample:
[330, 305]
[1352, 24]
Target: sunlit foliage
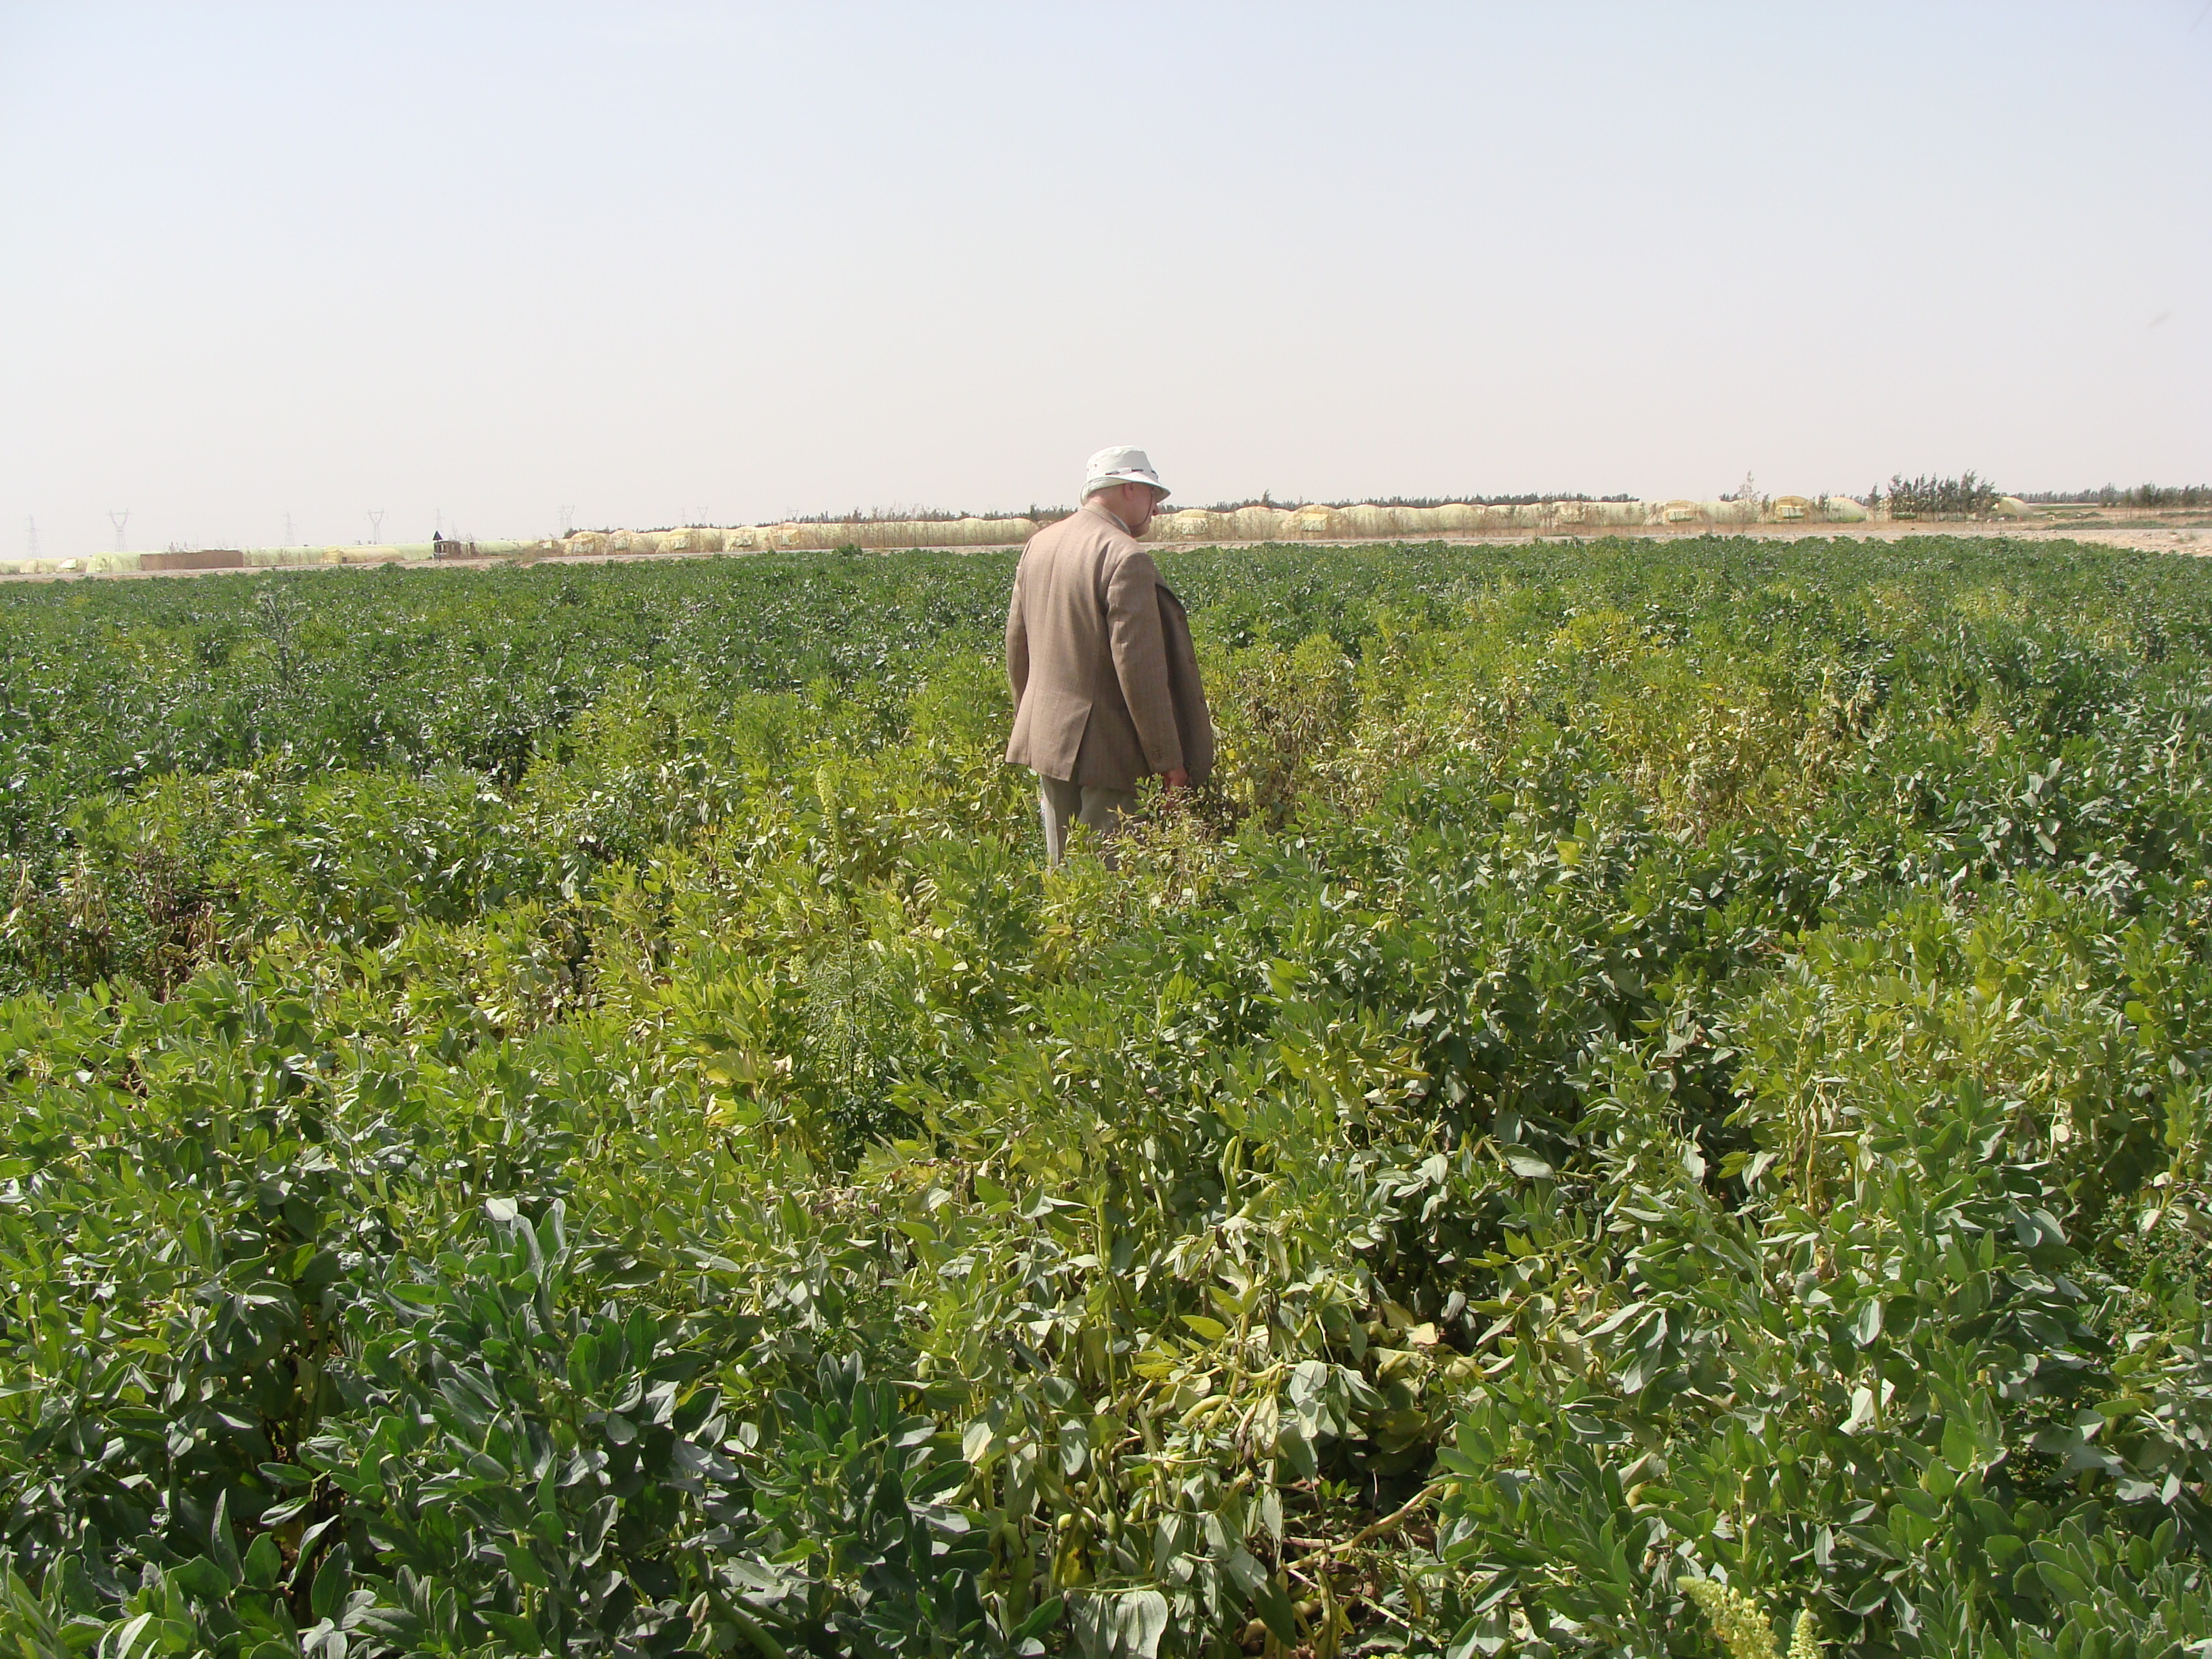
[556, 1110]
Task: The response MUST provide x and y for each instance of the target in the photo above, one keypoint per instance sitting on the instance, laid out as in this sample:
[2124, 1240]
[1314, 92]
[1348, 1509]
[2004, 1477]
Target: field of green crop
[555, 1110]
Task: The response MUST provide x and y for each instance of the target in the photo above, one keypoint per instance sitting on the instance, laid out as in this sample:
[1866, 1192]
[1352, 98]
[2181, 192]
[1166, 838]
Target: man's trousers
[1101, 810]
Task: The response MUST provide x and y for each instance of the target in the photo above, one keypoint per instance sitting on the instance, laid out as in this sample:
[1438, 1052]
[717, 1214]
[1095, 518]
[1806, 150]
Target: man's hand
[1178, 779]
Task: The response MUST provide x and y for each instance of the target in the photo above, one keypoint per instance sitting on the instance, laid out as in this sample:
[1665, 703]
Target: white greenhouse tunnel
[1194, 526]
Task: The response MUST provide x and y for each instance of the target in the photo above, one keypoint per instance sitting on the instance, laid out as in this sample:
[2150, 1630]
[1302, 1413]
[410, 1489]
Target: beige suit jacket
[1106, 687]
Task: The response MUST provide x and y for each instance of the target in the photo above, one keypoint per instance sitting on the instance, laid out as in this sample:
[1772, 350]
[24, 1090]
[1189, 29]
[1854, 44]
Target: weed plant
[558, 1111]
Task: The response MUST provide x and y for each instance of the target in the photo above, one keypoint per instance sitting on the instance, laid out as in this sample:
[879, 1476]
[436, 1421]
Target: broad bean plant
[558, 1110]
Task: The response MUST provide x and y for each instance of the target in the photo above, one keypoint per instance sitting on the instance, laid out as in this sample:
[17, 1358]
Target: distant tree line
[2113, 496]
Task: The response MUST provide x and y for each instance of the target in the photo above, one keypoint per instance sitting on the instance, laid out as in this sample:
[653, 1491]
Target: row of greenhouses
[1318, 522]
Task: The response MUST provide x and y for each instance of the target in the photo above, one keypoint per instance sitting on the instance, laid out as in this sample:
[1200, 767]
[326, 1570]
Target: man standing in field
[1106, 688]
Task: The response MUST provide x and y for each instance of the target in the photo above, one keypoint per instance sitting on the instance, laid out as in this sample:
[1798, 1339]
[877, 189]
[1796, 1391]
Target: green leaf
[288, 1509]
[127, 1641]
[1958, 1449]
[203, 1580]
[1272, 1603]
[333, 1580]
[521, 1635]
[222, 1545]
[1041, 1618]
[1243, 1569]
[1141, 1621]
[265, 1563]
[1866, 1325]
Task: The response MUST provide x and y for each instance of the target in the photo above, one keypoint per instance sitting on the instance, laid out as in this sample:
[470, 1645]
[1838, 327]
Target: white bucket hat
[1111, 466]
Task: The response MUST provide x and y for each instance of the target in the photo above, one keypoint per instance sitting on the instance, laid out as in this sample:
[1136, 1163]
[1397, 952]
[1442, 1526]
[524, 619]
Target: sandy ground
[2191, 534]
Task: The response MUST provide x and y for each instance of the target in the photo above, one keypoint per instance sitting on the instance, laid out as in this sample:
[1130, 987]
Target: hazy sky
[475, 264]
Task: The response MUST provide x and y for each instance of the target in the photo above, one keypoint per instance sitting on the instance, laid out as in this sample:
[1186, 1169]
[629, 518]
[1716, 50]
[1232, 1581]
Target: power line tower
[119, 520]
[287, 530]
[568, 520]
[376, 524]
[31, 533]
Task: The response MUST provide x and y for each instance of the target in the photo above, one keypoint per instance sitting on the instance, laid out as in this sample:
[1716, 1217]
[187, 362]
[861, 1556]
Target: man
[1106, 688]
